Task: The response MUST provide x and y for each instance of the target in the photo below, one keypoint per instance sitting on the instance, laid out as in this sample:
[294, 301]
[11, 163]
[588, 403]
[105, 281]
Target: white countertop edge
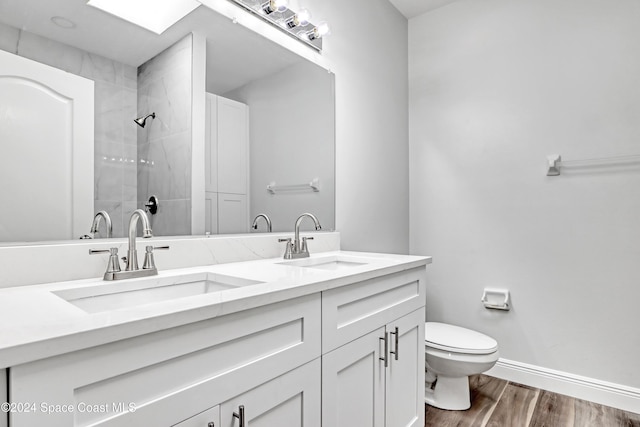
[91, 330]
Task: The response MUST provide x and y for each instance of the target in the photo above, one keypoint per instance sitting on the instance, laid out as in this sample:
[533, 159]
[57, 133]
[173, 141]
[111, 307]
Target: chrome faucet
[131, 270]
[132, 254]
[95, 226]
[266, 218]
[298, 248]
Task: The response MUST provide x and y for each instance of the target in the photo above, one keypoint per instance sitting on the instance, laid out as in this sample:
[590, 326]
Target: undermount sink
[117, 295]
[331, 262]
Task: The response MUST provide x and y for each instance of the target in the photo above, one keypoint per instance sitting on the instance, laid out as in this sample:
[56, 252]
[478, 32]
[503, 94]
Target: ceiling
[235, 55]
[413, 8]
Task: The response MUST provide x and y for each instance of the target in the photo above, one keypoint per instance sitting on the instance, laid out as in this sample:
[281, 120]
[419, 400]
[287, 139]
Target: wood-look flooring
[500, 403]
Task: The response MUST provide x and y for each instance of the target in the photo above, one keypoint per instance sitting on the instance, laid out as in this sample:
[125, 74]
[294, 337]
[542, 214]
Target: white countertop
[35, 323]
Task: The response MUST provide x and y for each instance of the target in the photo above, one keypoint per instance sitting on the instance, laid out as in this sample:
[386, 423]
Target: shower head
[141, 121]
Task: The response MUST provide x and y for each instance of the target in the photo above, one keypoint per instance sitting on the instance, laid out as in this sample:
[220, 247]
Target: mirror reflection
[236, 126]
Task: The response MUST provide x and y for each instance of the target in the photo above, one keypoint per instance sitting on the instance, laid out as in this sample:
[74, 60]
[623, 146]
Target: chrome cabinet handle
[211, 424]
[386, 349]
[397, 349]
[240, 415]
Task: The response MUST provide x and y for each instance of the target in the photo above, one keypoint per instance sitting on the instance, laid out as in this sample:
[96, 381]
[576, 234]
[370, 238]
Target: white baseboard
[602, 392]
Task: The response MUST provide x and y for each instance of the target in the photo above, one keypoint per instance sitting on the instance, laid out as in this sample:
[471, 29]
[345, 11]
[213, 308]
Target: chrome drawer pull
[386, 349]
[240, 415]
[397, 349]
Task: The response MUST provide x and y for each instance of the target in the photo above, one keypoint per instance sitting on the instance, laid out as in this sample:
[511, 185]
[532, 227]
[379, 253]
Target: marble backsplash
[62, 261]
[115, 186]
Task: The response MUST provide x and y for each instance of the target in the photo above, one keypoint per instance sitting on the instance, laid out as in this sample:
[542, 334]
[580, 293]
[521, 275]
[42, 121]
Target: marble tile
[71, 59]
[108, 175]
[50, 52]
[174, 56]
[130, 77]
[99, 68]
[172, 219]
[144, 170]
[110, 119]
[170, 98]
[129, 112]
[164, 167]
[114, 209]
[130, 173]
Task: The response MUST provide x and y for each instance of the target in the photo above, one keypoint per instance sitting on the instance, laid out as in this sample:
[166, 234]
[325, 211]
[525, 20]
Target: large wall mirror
[268, 120]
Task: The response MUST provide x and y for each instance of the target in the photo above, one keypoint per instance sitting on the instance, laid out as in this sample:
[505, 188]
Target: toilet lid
[458, 340]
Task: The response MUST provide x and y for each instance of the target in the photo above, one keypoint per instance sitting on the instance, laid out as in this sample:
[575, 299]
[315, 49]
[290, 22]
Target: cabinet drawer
[171, 375]
[352, 311]
[290, 400]
[210, 417]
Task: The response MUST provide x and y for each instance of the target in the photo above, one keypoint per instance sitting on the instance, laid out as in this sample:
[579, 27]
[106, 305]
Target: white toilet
[452, 354]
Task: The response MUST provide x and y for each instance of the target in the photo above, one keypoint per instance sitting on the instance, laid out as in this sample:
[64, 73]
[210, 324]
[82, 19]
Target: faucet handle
[113, 265]
[304, 248]
[289, 250]
[149, 262]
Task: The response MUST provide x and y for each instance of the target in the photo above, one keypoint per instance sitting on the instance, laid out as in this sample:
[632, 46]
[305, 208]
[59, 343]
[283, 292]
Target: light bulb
[274, 6]
[303, 16]
[319, 31]
[300, 19]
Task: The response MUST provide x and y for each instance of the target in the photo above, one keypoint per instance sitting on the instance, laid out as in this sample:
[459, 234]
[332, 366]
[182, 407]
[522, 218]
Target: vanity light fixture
[296, 24]
[319, 31]
[300, 19]
[274, 6]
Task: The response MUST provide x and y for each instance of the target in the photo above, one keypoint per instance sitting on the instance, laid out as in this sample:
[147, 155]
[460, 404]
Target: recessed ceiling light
[63, 22]
[152, 15]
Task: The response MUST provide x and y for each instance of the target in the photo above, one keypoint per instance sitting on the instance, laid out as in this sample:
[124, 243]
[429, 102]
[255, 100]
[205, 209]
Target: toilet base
[449, 393]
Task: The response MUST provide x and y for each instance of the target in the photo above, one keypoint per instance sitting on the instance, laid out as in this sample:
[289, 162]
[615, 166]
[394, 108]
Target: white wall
[495, 86]
[368, 53]
[291, 115]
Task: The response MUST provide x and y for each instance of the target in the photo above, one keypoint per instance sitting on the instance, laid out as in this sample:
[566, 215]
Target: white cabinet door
[290, 400]
[405, 374]
[357, 388]
[233, 147]
[353, 383]
[211, 145]
[232, 214]
[211, 212]
[226, 166]
[208, 418]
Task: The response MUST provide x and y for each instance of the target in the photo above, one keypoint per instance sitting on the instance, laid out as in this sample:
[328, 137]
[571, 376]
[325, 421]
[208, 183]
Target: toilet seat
[455, 339]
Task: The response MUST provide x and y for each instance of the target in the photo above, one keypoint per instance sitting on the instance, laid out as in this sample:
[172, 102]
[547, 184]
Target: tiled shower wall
[164, 144]
[115, 108]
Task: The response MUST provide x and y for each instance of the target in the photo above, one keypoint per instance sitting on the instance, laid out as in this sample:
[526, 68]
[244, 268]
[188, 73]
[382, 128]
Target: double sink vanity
[332, 339]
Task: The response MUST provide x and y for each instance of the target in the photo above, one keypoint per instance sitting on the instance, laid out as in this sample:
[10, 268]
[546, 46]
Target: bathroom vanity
[333, 339]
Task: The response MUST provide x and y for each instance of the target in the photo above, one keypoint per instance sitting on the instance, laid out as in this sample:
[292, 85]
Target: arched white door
[46, 152]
